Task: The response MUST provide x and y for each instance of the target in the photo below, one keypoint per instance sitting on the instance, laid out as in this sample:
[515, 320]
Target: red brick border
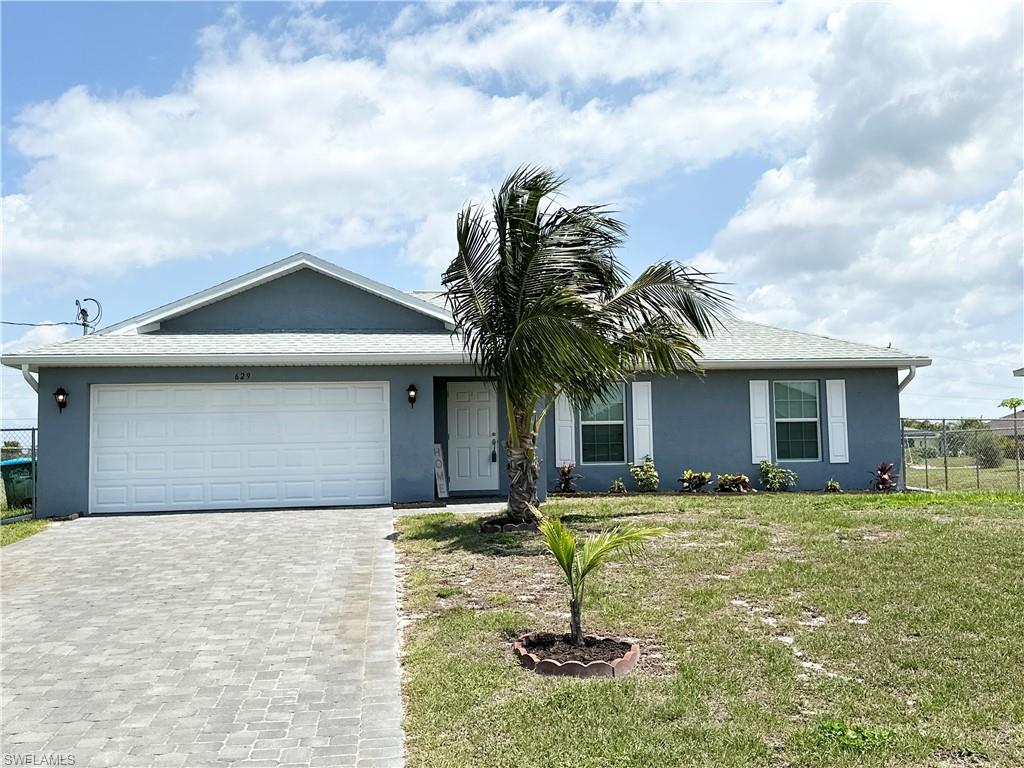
[619, 667]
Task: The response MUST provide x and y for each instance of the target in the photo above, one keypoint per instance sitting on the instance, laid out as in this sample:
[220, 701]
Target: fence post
[926, 452]
[1016, 450]
[945, 455]
[35, 461]
[977, 462]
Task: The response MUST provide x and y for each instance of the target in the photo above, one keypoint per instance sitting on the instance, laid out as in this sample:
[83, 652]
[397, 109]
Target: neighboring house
[304, 384]
[1005, 426]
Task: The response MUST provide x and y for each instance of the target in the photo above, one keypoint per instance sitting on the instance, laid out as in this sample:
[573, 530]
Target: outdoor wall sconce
[61, 396]
[412, 392]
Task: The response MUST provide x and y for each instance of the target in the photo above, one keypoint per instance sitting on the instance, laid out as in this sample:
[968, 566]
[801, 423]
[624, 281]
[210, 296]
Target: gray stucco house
[305, 384]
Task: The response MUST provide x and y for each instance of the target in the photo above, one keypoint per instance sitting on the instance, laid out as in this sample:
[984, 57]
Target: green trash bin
[18, 485]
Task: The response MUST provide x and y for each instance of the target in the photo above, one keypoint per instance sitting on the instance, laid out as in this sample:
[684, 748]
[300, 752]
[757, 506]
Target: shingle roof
[740, 344]
[286, 348]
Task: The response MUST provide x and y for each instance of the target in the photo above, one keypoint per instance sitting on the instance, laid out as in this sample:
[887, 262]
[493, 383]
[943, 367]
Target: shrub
[735, 484]
[884, 477]
[645, 475]
[617, 486]
[833, 486]
[567, 478]
[776, 478]
[694, 481]
[989, 450]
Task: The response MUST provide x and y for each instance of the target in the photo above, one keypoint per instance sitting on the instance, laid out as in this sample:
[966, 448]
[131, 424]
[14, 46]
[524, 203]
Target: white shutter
[835, 403]
[565, 432]
[643, 422]
[760, 423]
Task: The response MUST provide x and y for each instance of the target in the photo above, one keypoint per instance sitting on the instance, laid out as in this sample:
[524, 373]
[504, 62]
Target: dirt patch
[548, 645]
[956, 757]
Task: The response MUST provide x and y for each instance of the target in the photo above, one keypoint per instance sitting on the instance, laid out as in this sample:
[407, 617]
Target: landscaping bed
[776, 630]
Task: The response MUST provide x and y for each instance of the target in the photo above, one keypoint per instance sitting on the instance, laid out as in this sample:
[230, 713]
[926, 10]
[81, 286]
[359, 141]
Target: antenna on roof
[82, 317]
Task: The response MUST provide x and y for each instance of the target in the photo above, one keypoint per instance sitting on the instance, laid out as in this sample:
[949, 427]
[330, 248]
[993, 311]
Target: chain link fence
[18, 469]
[964, 454]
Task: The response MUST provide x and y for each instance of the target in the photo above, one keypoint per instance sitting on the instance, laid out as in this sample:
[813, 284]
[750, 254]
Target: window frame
[625, 434]
[788, 420]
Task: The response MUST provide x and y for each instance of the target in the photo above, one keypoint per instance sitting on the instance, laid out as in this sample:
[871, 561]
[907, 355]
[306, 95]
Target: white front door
[472, 436]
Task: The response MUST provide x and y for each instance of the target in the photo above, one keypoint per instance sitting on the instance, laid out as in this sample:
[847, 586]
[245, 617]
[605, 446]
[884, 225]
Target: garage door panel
[184, 447]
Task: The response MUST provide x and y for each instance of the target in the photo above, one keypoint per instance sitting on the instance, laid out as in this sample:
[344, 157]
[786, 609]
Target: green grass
[906, 610]
[963, 476]
[13, 532]
[15, 512]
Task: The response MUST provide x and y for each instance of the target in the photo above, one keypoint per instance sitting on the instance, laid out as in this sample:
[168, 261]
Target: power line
[35, 325]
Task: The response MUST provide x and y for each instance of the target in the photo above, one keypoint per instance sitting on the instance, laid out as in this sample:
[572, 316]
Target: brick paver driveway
[248, 639]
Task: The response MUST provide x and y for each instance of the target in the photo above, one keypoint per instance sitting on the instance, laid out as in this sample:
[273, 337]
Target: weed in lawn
[852, 737]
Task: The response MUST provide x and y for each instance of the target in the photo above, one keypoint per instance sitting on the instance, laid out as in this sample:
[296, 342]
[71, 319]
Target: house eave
[35, 362]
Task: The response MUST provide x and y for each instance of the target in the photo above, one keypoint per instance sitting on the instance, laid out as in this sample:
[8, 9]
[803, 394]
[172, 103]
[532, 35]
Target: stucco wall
[302, 300]
[64, 437]
[704, 424]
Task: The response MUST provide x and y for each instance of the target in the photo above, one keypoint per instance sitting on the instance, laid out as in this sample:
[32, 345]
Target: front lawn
[776, 630]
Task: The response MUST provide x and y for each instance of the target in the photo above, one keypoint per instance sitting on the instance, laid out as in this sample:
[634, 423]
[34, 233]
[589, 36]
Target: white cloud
[18, 399]
[902, 222]
[893, 212]
[294, 134]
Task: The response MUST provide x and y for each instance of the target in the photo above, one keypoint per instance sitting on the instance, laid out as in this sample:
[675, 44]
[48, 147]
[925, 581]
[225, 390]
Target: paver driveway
[249, 638]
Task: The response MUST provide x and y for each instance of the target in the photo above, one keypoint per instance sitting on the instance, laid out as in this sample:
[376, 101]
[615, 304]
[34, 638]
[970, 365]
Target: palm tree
[544, 308]
[577, 560]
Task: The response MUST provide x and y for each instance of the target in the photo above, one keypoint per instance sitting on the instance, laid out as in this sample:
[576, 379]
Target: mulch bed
[548, 645]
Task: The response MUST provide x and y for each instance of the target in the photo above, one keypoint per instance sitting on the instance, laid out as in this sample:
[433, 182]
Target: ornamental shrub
[645, 475]
[776, 478]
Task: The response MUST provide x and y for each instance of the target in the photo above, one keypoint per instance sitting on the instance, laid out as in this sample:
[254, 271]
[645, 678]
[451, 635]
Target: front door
[472, 436]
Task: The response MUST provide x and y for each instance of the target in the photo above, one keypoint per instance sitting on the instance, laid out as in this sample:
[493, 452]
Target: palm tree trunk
[576, 622]
[523, 473]
[523, 468]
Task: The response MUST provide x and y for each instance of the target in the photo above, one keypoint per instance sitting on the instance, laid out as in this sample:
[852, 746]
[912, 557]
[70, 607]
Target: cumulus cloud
[294, 133]
[892, 211]
[902, 221]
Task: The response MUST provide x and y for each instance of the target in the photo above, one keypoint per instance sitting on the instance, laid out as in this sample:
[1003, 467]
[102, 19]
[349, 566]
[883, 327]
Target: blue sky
[153, 149]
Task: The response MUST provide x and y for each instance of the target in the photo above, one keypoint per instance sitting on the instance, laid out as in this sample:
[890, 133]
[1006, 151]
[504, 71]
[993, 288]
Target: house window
[796, 421]
[603, 429]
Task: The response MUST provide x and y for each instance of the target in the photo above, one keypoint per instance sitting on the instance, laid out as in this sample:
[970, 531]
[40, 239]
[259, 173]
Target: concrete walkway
[222, 639]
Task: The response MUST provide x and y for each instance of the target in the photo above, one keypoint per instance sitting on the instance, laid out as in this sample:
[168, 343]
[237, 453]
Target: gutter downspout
[28, 377]
[911, 373]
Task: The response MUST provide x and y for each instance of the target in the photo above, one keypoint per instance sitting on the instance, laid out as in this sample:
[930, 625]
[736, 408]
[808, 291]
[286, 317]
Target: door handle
[494, 448]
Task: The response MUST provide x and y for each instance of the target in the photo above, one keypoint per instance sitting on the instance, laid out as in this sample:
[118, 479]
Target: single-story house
[305, 384]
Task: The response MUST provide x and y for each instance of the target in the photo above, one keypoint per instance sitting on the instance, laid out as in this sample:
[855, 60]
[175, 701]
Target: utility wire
[35, 325]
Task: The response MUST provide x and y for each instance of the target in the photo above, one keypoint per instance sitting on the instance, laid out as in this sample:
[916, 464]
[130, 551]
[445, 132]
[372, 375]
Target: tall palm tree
[544, 308]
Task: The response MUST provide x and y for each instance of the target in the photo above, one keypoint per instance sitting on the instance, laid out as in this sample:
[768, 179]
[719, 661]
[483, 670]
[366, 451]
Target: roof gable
[386, 301]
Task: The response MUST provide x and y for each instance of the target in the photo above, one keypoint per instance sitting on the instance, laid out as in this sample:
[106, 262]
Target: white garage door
[160, 447]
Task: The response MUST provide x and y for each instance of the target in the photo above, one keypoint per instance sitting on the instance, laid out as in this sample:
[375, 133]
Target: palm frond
[627, 540]
[562, 544]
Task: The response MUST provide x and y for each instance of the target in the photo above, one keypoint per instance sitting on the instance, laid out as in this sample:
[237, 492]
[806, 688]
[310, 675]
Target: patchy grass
[13, 532]
[776, 630]
[15, 512]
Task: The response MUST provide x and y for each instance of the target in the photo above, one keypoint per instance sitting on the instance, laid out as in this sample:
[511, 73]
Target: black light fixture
[61, 396]
[412, 392]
